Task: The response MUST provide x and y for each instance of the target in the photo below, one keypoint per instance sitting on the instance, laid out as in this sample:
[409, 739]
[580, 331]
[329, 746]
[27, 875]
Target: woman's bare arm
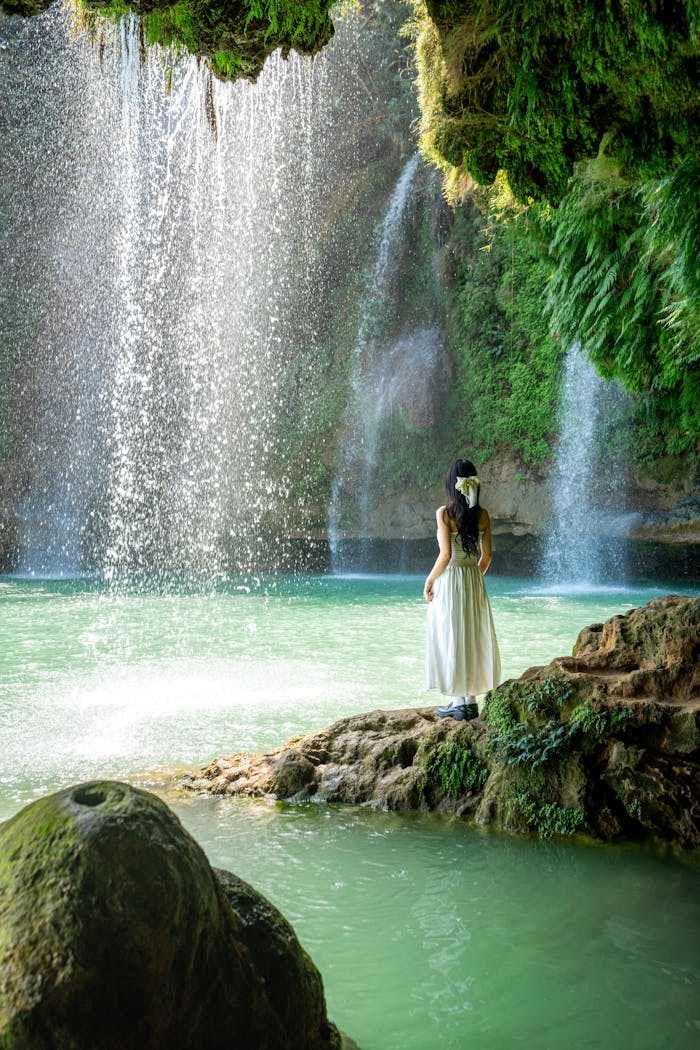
[485, 542]
[443, 558]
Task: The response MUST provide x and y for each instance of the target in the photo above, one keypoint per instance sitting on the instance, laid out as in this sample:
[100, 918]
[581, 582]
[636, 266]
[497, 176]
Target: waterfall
[180, 260]
[584, 544]
[396, 368]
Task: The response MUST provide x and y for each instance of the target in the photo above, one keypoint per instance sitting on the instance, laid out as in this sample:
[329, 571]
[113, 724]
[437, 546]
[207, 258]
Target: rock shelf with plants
[604, 743]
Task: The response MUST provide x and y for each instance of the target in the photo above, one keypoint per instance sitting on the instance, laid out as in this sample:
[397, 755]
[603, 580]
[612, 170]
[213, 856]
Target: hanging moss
[625, 285]
[532, 88]
[235, 38]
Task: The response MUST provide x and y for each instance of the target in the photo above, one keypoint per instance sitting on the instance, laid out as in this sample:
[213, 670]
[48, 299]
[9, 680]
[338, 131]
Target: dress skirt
[462, 655]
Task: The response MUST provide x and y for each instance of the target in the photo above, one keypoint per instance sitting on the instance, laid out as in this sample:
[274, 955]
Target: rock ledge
[605, 742]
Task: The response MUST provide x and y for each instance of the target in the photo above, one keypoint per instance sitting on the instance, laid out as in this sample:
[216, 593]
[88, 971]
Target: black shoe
[462, 712]
[459, 712]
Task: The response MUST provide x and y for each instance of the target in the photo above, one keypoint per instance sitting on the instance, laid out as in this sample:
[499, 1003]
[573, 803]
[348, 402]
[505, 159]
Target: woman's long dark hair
[466, 517]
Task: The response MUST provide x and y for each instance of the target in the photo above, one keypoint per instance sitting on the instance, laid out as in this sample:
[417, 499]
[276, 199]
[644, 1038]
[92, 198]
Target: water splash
[184, 249]
[396, 368]
[584, 544]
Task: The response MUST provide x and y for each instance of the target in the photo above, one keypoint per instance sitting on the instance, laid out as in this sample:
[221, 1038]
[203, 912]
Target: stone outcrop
[116, 933]
[606, 742]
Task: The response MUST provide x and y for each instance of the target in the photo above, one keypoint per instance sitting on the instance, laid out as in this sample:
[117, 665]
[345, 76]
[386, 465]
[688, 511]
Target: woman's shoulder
[484, 519]
[443, 518]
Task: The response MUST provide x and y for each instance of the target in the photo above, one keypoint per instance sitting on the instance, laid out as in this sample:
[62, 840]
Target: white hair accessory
[469, 487]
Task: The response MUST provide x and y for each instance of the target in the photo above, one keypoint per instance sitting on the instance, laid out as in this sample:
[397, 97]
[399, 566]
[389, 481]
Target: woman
[462, 657]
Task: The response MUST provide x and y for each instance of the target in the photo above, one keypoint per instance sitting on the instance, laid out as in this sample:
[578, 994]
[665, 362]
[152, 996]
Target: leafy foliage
[625, 286]
[453, 766]
[534, 744]
[506, 365]
[235, 39]
[532, 88]
[532, 747]
[548, 818]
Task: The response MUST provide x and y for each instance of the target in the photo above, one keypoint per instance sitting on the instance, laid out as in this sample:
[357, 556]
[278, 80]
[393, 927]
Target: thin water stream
[585, 541]
[428, 932]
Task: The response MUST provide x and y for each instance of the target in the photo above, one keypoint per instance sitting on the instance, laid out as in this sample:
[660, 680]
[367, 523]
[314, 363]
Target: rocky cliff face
[605, 742]
[115, 933]
[662, 504]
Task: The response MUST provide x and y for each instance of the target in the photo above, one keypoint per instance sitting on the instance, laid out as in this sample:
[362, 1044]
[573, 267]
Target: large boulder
[116, 933]
[606, 742]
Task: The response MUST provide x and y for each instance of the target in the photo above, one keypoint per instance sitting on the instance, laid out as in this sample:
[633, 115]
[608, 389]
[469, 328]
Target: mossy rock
[235, 38]
[619, 80]
[25, 8]
[116, 933]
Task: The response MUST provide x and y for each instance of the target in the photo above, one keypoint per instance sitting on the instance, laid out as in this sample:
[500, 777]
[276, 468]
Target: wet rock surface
[605, 742]
[116, 933]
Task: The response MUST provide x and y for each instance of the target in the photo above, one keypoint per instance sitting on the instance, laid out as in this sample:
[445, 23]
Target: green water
[429, 933]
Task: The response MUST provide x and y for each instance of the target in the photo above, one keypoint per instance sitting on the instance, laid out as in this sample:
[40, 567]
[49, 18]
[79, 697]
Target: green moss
[452, 765]
[599, 724]
[586, 720]
[235, 39]
[543, 697]
[498, 711]
[507, 366]
[532, 88]
[547, 818]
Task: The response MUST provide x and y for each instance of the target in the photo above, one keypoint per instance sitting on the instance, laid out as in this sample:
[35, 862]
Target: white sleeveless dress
[461, 655]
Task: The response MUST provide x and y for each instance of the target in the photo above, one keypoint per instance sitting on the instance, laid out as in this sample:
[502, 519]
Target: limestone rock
[116, 933]
[651, 653]
[364, 758]
[606, 741]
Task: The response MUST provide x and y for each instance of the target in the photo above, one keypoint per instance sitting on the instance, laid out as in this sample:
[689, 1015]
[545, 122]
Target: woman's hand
[428, 590]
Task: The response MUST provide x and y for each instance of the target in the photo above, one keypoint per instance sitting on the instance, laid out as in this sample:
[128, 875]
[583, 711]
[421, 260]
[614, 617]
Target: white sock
[470, 699]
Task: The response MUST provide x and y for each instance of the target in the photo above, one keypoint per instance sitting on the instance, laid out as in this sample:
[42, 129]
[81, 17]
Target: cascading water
[584, 542]
[398, 367]
[178, 273]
